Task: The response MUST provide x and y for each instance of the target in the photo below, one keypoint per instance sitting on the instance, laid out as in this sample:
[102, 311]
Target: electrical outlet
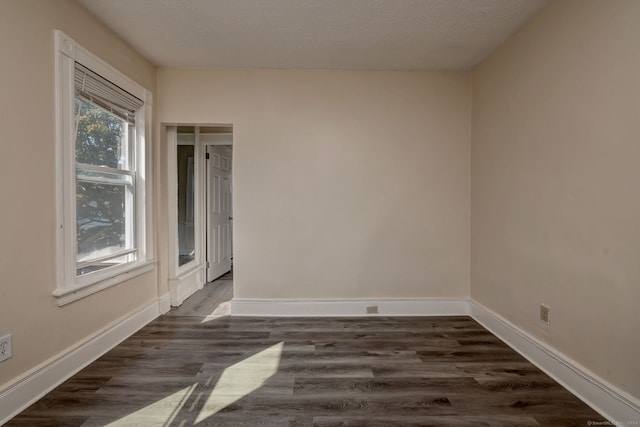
[544, 314]
[372, 309]
[5, 347]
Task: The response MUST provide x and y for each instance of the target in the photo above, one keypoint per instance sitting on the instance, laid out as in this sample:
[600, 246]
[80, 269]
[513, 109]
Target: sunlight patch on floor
[241, 379]
[224, 309]
[163, 409]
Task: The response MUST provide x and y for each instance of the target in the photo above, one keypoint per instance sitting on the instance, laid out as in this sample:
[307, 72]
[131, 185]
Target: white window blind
[102, 92]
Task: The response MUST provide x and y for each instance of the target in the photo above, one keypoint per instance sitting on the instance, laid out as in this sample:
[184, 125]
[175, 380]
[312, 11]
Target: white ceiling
[339, 34]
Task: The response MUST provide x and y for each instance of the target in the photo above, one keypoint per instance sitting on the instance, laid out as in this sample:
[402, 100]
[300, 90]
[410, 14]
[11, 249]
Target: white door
[219, 211]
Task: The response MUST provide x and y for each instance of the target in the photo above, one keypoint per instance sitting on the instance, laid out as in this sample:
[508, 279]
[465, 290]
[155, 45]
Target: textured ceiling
[339, 34]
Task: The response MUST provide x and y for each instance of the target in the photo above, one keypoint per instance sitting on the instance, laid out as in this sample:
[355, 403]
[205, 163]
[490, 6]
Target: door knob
[230, 218]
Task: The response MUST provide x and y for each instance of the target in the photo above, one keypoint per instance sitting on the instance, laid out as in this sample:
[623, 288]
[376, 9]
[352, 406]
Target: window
[101, 183]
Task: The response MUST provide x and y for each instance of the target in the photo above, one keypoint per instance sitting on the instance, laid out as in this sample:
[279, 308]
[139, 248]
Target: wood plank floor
[212, 301]
[375, 371]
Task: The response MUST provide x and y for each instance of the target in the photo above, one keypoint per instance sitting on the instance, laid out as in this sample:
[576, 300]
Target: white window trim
[69, 287]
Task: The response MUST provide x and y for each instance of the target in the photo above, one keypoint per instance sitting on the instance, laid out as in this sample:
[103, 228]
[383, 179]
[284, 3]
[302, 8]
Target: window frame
[69, 286]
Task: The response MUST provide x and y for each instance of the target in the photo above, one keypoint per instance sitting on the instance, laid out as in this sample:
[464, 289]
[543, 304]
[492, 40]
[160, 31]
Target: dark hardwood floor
[375, 371]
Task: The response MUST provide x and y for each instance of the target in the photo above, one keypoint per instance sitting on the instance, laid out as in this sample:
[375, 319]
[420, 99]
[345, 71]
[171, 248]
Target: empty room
[319, 212]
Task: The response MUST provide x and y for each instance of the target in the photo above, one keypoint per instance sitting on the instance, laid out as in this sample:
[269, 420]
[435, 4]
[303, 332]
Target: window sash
[102, 174]
[98, 174]
[126, 145]
[98, 260]
[129, 218]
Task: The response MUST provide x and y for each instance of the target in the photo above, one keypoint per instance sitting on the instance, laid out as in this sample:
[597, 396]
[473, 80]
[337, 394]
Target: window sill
[65, 296]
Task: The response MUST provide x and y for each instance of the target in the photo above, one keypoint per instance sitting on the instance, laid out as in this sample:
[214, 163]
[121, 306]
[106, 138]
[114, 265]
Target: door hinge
[207, 264]
[206, 156]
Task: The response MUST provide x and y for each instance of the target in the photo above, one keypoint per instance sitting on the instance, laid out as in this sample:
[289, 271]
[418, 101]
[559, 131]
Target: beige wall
[555, 175]
[346, 184]
[40, 329]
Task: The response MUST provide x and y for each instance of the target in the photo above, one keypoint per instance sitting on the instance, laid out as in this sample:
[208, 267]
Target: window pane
[186, 230]
[101, 215]
[101, 137]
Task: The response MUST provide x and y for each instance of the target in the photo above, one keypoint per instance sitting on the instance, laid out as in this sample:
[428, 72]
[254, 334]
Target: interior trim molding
[34, 385]
[65, 296]
[182, 287]
[613, 404]
[164, 304]
[348, 308]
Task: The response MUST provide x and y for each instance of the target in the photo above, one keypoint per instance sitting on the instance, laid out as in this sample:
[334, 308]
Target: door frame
[184, 280]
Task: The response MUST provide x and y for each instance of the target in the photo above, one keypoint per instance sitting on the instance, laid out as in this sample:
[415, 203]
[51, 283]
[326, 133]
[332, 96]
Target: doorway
[200, 211]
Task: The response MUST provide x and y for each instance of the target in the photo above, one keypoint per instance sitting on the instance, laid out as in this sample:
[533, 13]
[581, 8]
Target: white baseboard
[613, 404]
[26, 391]
[185, 285]
[349, 308]
[164, 304]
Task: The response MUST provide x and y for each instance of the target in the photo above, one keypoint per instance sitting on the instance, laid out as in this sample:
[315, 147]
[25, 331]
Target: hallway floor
[212, 301]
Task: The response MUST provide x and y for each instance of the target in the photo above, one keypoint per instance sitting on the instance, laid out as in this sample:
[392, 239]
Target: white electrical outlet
[544, 314]
[373, 309]
[5, 347]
